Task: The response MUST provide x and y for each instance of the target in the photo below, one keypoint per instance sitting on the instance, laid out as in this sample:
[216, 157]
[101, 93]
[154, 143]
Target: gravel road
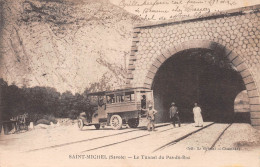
[132, 145]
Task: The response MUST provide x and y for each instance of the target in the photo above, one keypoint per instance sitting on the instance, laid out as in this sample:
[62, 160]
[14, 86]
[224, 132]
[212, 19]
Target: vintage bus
[117, 108]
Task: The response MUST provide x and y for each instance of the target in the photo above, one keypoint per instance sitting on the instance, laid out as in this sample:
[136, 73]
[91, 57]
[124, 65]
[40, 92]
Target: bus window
[133, 97]
[120, 98]
[129, 96]
[138, 96]
[101, 101]
[113, 99]
[110, 99]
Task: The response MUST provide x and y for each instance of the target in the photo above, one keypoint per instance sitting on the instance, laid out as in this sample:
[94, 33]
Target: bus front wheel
[133, 123]
[116, 122]
[97, 126]
[80, 124]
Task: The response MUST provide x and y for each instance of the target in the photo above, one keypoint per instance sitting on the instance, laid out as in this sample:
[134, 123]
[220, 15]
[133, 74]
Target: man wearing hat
[150, 116]
[174, 114]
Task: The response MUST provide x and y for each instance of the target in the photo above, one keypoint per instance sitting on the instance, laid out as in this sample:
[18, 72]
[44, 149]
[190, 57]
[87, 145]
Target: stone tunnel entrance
[198, 75]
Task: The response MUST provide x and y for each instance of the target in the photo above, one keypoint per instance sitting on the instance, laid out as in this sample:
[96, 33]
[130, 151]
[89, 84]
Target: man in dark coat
[174, 114]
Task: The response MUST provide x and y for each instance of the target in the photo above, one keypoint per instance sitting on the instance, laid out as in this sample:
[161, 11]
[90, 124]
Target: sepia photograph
[130, 83]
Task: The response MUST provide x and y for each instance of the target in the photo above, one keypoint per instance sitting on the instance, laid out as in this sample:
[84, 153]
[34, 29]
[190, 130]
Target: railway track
[95, 138]
[176, 141]
[221, 134]
[124, 137]
[181, 138]
[123, 141]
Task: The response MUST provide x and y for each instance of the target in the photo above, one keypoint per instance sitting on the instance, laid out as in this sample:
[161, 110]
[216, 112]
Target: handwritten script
[154, 10]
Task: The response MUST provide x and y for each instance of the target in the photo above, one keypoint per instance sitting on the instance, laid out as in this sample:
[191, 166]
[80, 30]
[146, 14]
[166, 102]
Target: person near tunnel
[174, 114]
[197, 115]
[143, 102]
[151, 117]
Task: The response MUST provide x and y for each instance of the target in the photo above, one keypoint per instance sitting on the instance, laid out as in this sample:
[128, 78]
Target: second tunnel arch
[235, 60]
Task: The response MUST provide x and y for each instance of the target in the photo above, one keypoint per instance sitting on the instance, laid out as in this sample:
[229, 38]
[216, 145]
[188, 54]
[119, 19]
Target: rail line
[76, 142]
[181, 138]
[189, 134]
[108, 145]
[115, 143]
[221, 134]
[139, 129]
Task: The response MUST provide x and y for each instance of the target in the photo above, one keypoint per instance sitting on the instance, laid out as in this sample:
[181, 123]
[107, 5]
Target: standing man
[151, 117]
[197, 116]
[143, 102]
[174, 114]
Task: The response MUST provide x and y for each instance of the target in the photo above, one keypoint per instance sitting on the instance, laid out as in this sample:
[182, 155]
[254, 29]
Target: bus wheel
[80, 124]
[133, 123]
[116, 122]
[97, 126]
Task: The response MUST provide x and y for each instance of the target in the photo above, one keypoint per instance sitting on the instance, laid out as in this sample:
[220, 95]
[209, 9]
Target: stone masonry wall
[235, 33]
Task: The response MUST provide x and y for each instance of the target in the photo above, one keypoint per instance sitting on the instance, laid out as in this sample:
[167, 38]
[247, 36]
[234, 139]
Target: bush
[73, 114]
[50, 118]
[43, 103]
[34, 117]
[43, 121]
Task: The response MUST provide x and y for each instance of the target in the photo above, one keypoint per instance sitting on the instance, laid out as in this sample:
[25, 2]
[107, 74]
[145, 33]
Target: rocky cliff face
[65, 44]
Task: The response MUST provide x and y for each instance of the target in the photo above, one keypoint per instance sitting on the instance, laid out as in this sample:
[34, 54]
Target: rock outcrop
[65, 44]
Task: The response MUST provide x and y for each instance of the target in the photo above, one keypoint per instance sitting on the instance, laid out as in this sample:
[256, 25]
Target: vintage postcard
[127, 83]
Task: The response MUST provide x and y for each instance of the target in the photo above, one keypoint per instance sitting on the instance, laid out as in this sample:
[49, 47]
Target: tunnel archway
[185, 74]
[197, 75]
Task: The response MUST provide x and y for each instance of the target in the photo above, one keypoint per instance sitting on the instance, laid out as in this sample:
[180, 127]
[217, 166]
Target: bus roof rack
[102, 93]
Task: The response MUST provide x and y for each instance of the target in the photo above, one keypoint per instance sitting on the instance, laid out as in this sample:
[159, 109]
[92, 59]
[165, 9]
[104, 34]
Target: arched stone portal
[233, 34]
[219, 49]
[241, 76]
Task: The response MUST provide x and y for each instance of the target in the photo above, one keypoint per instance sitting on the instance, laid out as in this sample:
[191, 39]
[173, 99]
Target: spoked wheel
[80, 124]
[116, 122]
[133, 123]
[97, 126]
